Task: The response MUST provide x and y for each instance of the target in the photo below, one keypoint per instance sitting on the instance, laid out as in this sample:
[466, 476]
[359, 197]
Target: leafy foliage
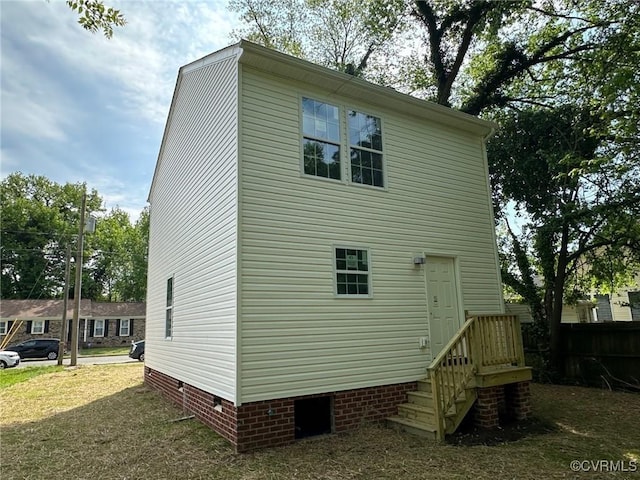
[94, 16]
[342, 34]
[40, 217]
[577, 205]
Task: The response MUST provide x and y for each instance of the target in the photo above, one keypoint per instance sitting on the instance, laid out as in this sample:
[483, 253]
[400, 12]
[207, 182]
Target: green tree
[577, 207]
[119, 262]
[341, 34]
[40, 217]
[470, 54]
[93, 15]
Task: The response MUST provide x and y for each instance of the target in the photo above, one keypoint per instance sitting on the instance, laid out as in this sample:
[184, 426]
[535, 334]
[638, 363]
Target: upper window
[98, 328]
[322, 142]
[168, 326]
[365, 142]
[352, 272]
[37, 327]
[3, 327]
[321, 139]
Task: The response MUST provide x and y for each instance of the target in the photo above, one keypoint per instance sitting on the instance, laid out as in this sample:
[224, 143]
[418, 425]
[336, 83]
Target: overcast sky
[77, 107]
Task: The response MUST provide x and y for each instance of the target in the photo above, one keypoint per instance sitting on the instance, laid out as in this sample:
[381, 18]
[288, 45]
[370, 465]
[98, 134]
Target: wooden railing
[499, 340]
[483, 343]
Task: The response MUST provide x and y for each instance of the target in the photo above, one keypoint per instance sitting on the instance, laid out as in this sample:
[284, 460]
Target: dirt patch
[469, 435]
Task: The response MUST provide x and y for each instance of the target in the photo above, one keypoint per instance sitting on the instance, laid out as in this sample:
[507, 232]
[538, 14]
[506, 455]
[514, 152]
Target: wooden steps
[486, 351]
[417, 416]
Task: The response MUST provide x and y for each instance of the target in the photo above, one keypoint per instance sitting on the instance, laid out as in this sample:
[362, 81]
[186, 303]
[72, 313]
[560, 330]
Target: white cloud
[79, 107]
[142, 59]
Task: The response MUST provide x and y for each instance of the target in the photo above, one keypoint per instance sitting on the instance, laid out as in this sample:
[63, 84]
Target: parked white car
[9, 359]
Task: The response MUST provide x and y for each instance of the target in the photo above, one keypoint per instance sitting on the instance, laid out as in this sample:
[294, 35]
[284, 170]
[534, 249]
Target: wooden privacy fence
[601, 354]
[484, 343]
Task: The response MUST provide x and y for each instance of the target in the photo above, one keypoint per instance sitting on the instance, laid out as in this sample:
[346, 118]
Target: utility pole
[63, 330]
[78, 286]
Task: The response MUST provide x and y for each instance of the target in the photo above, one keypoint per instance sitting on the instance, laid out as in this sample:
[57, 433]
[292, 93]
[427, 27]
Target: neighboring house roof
[118, 309]
[52, 309]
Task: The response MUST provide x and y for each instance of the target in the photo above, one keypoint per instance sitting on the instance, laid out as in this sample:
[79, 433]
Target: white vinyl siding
[297, 336]
[193, 231]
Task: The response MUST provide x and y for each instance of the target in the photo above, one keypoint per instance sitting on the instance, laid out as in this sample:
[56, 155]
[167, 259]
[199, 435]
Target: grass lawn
[96, 351]
[100, 422]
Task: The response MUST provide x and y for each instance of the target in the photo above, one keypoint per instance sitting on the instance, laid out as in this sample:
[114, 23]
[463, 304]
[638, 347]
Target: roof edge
[342, 83]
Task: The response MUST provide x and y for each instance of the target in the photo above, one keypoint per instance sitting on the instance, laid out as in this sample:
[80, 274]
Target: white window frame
[168, 325]
[37, 331]
[304, 136]
[96, 328]
[350, 146]
[128, 329]
[344, 143]
[337, 271]
[3, 327]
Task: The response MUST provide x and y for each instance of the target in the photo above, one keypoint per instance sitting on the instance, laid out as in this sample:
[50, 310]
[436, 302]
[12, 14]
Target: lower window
[37, 327]
[98, 328]
[124, 327]
[352, 271]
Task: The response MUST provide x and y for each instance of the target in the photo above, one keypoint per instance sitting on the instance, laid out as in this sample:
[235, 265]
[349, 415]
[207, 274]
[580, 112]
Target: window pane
[365, 159]
[362, 261]
[356, 174]
[366, 167]
[378, 179]
[364, 130]
[356, 261]
[168, 323]
[321, 159]
[320, 120]
[169, 292]
[322, 169]
[376, 142]
[355, 157]
[367, 176]
[124, 328]
[376, 161]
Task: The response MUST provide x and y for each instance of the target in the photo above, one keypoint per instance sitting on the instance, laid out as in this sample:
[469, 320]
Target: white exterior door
[442, 301]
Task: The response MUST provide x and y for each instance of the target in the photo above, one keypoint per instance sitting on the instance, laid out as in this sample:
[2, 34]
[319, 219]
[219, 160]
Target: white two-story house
[315, 240]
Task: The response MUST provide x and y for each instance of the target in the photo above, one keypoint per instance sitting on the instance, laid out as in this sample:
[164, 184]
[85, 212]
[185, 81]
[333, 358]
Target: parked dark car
[137, 350]
[37, 348]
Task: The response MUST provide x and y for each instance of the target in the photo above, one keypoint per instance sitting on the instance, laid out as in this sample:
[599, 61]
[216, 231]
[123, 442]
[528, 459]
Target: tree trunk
[555, 315]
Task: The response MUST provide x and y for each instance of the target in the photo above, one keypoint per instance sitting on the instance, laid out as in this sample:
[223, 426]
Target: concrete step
[413, 427]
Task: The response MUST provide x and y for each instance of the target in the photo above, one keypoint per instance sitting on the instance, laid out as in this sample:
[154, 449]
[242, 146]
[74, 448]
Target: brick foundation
[511, 401]
[518, 400]
[270, 423]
